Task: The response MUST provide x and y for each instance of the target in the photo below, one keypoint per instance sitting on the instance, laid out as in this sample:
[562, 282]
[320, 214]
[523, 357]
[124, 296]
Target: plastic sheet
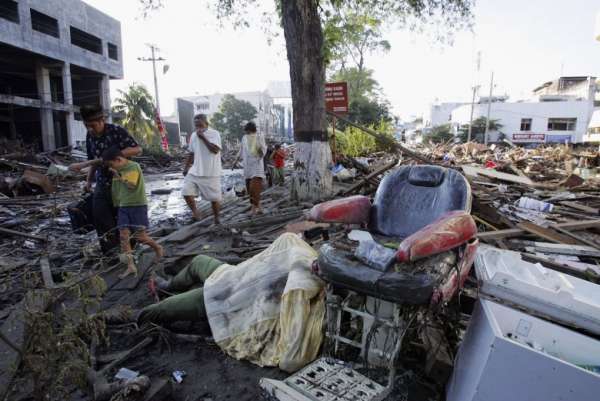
[268, 309]
[376, 256]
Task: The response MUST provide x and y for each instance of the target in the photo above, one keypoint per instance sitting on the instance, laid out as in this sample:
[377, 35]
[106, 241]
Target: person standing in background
[252, 154]
[279, 162]
[202, 170]
[268, 165]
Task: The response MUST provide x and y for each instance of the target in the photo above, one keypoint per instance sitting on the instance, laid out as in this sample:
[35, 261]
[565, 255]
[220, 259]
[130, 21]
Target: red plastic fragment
[449, 231]
[351, 210]
[490, 164]
[455, 281]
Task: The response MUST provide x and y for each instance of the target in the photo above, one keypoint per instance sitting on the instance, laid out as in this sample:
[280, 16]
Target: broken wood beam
[562, 267]
[385, 139]
[576, 237]
[375, 173]
[557, 249]
[46, 272]
[546, 233]
[580, 207]
[8, 231]
[146, 341]
[513, 232]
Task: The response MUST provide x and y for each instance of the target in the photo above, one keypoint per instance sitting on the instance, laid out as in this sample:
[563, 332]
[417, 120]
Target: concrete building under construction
[55, 55]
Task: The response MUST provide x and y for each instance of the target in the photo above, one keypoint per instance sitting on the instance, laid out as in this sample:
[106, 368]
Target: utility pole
[154, 59]
[487, 120]
[475, 88]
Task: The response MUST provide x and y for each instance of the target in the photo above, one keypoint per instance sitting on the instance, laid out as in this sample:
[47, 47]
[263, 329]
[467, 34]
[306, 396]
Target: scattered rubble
[542, 203]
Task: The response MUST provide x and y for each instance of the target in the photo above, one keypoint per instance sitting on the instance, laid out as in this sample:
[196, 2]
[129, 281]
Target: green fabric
[185, 307]
[188, 306]
[197, 272]
[278, 174]
[128, 187]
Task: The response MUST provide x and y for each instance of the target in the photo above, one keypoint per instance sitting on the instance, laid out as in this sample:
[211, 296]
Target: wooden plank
[21, 234]
[547, 247]
[546, 233]
[562, 267]
[579, 206]
[513, 232]
[577, 238]
[368, 177]
[46, 273]
[473, 171]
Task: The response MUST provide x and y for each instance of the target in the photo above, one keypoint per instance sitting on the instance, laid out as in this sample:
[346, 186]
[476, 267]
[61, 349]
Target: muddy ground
[210, 374]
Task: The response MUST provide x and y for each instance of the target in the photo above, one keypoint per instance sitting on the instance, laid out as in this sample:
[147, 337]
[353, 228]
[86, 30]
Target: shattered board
[328, 379]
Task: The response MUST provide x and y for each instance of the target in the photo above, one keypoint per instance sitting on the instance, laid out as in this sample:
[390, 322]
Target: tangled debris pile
[543, 203]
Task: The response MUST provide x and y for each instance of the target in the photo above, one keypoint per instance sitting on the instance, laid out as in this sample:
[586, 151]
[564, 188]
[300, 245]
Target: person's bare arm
[211, 146]
[131, 152]
[77, 167]
[188, 163]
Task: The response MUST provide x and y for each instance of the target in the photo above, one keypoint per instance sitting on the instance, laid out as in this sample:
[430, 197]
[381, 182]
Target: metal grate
[331, 380]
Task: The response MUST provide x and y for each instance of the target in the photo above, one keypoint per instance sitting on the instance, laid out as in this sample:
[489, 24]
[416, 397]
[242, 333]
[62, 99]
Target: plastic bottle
[534, 204]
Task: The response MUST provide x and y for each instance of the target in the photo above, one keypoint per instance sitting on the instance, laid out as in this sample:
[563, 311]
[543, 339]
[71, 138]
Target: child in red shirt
[279, 162]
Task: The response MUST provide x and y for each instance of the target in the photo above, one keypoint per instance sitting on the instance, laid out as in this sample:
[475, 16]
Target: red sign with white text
[336, 97]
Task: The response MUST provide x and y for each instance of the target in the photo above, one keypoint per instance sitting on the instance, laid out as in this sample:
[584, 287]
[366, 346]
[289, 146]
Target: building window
[202, 106]
[44, 23]
[562, 124]
[113, 51]
[526, 124]
[86, 41]
[9, 10]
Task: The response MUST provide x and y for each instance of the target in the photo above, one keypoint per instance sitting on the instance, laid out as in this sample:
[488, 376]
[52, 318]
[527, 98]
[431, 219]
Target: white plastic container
[495, 362]
[563, 298]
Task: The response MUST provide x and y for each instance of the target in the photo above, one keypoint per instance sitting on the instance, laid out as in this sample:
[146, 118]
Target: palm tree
[134, 109]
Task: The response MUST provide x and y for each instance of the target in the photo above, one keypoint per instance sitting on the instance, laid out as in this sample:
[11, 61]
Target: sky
[525, 43]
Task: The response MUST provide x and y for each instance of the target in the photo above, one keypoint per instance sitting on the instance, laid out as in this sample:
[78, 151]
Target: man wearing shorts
[203, 168]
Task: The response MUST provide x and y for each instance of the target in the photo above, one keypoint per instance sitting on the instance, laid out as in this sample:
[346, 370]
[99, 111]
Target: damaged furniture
[425, 209]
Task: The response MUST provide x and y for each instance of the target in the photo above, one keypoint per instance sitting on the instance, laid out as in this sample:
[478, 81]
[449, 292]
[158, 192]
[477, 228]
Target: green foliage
[369, 112]
[440, 134]
[232, 115]
[478, 129]
[351, 32]
[57, 354]
[134, 110]
[355, 142]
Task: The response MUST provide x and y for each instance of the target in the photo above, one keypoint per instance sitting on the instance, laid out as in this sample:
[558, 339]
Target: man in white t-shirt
[203, 168]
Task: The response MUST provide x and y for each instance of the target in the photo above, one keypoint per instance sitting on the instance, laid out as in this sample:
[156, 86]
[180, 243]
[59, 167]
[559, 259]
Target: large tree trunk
[311, 179]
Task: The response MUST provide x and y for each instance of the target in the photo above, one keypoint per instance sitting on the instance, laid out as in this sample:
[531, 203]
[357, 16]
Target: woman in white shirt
[252, 153]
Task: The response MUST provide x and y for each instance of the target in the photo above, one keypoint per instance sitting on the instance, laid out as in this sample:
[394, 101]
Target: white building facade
[440, 114]
[559, 111]
[533, 122]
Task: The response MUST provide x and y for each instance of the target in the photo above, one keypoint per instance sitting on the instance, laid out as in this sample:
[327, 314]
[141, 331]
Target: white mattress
[543, 292]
